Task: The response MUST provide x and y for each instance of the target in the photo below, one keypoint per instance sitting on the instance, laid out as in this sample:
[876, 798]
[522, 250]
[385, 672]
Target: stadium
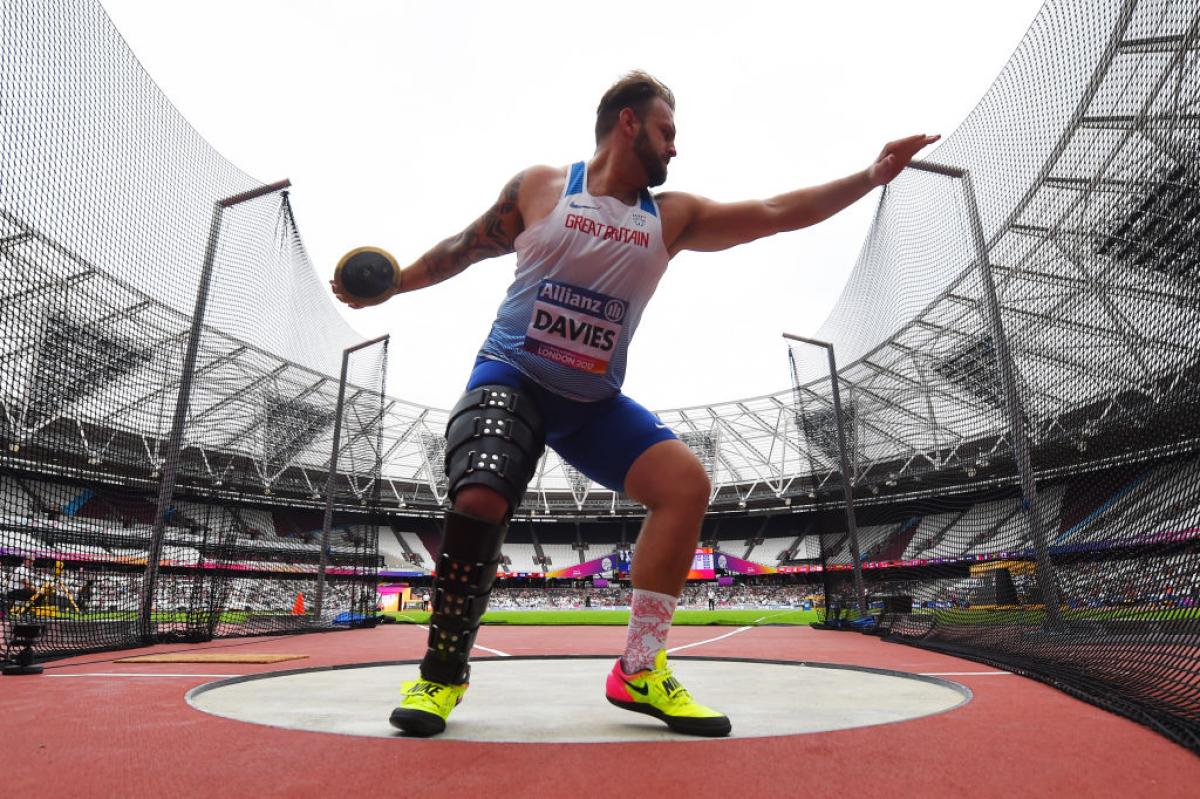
[1000, 472]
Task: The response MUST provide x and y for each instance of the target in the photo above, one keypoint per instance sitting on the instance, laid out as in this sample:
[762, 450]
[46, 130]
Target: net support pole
[1047, 578]
[170, 464]
[331, 479]
[847, 476]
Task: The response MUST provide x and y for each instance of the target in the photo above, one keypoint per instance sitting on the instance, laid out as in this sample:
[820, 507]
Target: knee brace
[466, 569]
[494, 438]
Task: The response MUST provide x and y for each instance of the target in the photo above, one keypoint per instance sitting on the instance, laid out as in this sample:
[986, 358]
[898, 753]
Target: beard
[652, 163]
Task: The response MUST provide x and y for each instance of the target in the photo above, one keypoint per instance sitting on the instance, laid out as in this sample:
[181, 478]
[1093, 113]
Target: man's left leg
[625, 448]
[671, 482]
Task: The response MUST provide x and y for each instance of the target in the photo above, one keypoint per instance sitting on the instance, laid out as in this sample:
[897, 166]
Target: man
[712, 599]
[591, 243]
[21, 587]
[83, 591]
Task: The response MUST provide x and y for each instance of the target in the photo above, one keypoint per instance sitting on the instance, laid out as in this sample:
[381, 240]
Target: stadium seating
[521, 557]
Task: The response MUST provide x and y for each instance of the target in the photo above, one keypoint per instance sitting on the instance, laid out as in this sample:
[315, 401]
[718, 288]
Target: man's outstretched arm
[706, 225]
[490, 235]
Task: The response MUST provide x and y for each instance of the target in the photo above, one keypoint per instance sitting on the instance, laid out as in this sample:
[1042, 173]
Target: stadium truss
[1075, 209]
[1018, 342]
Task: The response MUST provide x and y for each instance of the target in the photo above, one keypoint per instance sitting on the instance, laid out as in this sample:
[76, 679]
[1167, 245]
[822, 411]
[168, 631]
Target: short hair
[635, 91]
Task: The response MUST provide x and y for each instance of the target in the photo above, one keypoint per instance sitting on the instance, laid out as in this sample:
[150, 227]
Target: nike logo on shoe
[643, 690]
[431, 690]
[574, 204]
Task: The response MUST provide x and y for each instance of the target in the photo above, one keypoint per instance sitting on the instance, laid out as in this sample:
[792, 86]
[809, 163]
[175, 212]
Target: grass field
[729, 618]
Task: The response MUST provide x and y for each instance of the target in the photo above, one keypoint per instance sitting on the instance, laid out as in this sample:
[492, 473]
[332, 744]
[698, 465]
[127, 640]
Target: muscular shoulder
[541, 186]
[678, 209]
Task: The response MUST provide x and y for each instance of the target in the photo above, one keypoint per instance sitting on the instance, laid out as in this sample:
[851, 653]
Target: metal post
[166, 485]
[1046, 576]
[331, 479]
[847, 475]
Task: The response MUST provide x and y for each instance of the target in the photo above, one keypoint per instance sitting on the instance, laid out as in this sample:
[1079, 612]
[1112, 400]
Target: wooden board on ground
[211, 657]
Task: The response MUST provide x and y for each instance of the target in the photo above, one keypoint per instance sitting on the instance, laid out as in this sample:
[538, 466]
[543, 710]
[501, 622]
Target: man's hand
[895, 156]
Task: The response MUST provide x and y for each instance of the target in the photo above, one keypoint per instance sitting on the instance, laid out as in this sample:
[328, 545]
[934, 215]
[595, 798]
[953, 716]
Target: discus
[366, 275]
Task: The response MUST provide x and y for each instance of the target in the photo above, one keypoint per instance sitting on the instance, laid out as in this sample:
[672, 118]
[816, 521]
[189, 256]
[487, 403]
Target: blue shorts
[601, 439]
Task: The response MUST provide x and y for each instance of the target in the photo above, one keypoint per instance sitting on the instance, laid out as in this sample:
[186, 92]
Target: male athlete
[591, 243]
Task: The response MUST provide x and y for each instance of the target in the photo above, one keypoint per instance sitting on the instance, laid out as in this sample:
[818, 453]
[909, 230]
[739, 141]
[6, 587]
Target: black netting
[111, 532]
[1020, 414]
[1024, 398]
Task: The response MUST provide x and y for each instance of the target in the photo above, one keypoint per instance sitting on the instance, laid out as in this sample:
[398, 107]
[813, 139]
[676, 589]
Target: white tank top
[584, 275]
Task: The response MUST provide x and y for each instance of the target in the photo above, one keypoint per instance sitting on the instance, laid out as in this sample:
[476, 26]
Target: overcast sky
[399, 122]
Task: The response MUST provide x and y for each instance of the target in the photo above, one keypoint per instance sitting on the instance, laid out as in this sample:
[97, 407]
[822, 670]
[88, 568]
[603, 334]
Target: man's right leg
[494, 440]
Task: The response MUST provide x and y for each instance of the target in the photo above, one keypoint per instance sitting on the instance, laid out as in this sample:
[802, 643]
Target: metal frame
[847, 474]
[175, 440]
[331, 480]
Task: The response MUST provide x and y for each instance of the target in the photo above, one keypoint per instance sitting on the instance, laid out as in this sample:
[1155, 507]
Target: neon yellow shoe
[657, 693]
[425, 706]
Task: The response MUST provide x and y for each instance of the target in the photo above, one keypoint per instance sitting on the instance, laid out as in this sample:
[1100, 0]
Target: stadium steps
[894, 547]
[39, 504]
[794, 549]
[935, 540]
[991, 530]
[1106, 518]
[1086, 493]
[537, 548]
[924, 538]
[399, 534]
[829, 552]
[580, 545]
[520, 557]
[757, 538]
[18, 504]
[770, 550]
[392, 548]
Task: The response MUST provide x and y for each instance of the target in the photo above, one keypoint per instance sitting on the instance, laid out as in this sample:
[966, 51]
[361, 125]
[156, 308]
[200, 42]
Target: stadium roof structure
[1082, 156]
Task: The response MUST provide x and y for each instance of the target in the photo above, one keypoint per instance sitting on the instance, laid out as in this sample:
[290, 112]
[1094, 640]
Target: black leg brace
[466, 569]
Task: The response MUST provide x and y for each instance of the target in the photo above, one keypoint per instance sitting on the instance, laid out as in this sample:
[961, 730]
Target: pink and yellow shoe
[657, 693]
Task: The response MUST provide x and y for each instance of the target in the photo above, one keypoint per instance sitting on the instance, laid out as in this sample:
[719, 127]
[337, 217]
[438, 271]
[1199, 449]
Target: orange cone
[298, 605]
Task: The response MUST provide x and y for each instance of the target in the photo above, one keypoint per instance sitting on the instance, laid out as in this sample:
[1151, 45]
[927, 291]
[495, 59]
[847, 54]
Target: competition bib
[575, 327]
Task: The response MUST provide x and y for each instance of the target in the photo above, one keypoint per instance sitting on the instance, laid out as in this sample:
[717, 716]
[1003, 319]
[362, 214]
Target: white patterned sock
[649, 622]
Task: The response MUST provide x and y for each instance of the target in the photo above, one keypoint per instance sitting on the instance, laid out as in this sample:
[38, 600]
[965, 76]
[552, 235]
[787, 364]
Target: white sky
[399, 122]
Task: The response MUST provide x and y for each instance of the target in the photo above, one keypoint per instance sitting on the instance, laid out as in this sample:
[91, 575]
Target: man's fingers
[915, 143]
[910, 144]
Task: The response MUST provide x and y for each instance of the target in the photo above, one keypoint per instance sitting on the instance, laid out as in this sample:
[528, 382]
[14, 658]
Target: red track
[133, 737]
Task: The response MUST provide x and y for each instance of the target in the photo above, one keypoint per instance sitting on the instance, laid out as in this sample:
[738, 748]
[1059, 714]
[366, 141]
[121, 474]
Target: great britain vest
[584, 275]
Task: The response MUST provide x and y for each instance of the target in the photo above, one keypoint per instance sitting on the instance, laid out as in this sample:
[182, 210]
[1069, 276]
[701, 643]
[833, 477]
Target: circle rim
[966, 695]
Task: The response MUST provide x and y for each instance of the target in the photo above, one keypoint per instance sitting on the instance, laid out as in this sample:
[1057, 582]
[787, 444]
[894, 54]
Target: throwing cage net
[1022, 400]
[1013, 474]
[169, 371]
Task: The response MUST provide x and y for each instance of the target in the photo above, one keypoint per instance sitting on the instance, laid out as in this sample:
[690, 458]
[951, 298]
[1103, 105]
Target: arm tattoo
[491, 235]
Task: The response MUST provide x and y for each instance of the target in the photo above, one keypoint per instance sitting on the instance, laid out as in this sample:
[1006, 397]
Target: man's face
[654, 144]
